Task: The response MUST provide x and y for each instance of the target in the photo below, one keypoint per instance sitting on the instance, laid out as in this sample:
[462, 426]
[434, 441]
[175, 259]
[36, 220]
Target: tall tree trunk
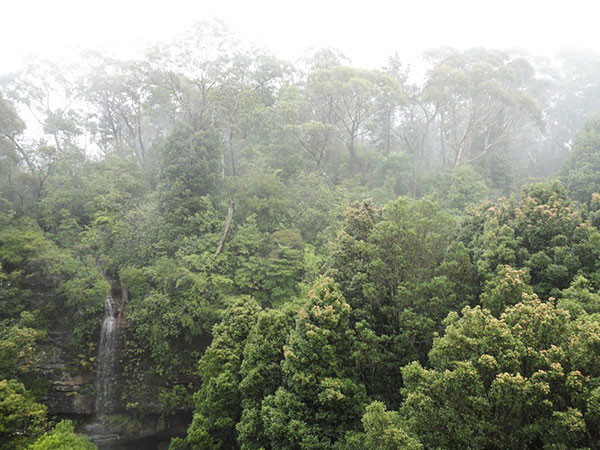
[353, 159]
[415, 188]
[228, 221]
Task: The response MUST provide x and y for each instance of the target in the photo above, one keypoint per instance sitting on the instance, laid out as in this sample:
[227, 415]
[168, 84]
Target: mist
[312, 225]
[368, 34]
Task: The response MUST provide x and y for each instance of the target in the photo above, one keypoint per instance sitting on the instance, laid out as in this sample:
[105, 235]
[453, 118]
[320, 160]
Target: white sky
[367, 31]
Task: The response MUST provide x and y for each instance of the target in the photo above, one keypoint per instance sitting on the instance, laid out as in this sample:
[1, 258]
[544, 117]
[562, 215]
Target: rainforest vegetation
[308, 255]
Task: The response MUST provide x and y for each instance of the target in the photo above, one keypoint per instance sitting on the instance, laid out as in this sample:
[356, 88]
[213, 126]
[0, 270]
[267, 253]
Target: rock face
[68, 394]
[67, 397]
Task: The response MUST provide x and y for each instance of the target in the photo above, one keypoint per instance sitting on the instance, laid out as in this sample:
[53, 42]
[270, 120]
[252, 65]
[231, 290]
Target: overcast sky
[367, 31]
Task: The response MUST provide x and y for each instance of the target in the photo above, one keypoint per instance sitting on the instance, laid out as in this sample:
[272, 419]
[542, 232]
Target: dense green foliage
[545, 232]
[62, 437]
[308, 257]
[523, 380]
[21, 418]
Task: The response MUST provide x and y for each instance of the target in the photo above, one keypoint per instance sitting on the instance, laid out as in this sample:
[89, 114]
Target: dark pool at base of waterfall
[149, 443]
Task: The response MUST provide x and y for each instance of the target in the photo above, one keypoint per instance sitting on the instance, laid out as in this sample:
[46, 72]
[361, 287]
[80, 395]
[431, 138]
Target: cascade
[107, 358]
[100, 430]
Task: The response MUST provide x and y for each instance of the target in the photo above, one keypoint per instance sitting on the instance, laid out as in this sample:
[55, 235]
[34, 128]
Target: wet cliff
[90, 395]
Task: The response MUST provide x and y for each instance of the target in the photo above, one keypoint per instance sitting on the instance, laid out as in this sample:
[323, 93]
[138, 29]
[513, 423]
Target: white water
[106, 360]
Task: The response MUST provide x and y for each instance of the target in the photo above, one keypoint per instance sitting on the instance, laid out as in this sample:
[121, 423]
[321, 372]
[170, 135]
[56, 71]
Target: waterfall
[107, 357]
[100, 429]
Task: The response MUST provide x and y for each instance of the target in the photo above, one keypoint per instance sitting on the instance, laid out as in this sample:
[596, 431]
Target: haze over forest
[384, 239]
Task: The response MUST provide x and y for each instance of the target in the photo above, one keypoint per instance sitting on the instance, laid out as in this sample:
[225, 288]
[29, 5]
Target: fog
[367, 32]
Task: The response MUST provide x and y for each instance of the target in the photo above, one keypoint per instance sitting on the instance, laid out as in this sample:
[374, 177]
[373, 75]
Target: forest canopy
[294, 256]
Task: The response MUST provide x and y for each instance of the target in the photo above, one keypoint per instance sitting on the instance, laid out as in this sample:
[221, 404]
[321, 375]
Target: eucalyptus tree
[572, 96]
[312, 128]
[130, 114]
[581, 169]
[481, 97]
[12, 150]
[25, 164]
[192, 66]
[390, 109]
[349, 99]
[11, 132]
[215, 82]
[414, 129]
[47, 92]
[577, 94]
